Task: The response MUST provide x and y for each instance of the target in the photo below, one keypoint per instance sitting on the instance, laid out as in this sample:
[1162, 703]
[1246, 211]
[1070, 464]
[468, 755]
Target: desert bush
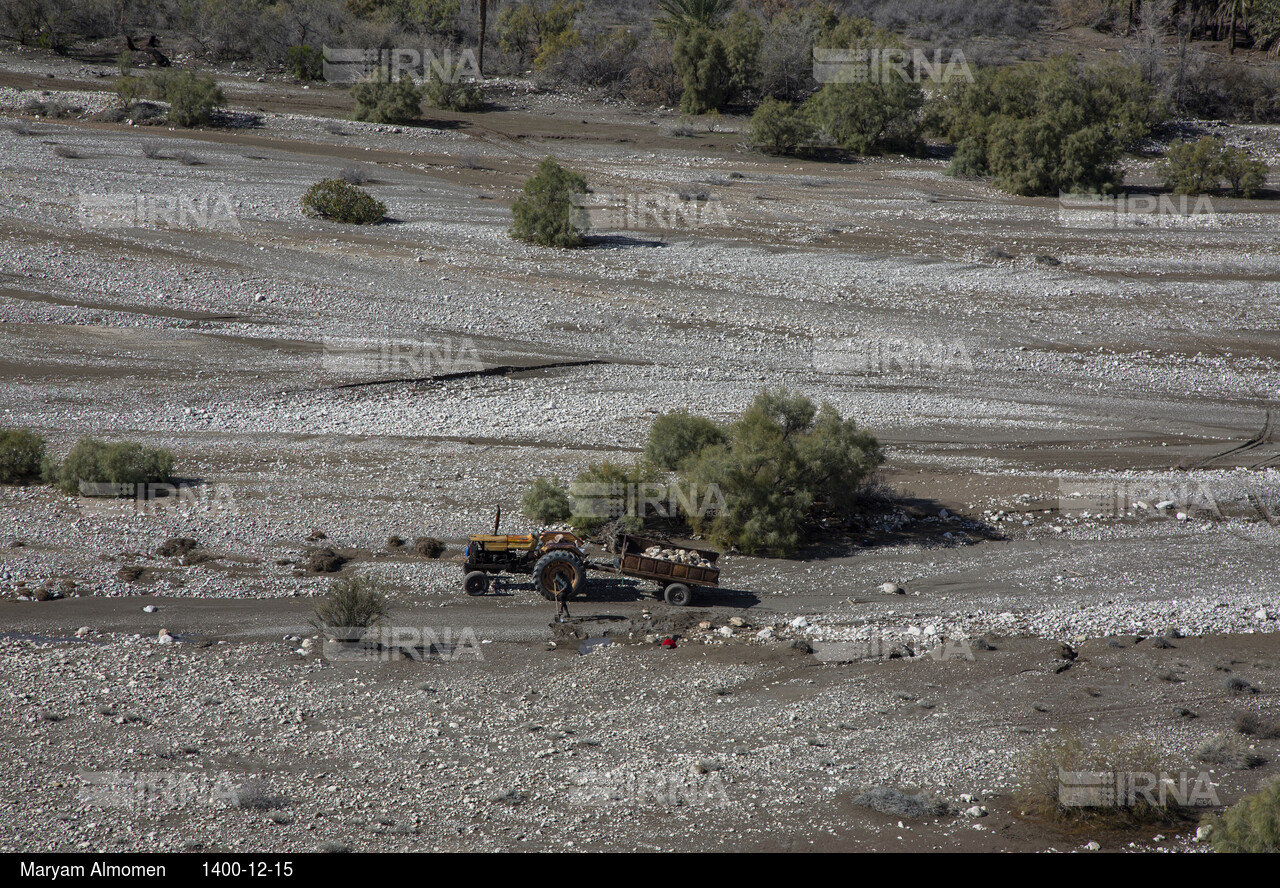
[324, 560]
[779, 127]
[1191, 168]
[152, 149]
[600, 59]
[1237, 685]
[783, 65]
[51, 108]
[952, 21]
[867, 118]
[896, 803]
[357, 603]
[128, 90]
[1199, 167]
[1244, 174]
[876, 114]
[22, 452]
[1255, 725]
[781, 464]
[653, 79]
[187, 158]
[452, 94]
[545, 214]
[1227, 749]
[702, 61]
[177, 547]
[1046, 127]
[1040, 781]
[1252, 825]
[1210, 87]
[380, 100]
[193, 98]
[539, 32]
[546, 502]
[304, 62]
[427, 547]
[335, 200]
[676, 436]
[607, 494]
[124, 464]
[67, 152]
[354, 175]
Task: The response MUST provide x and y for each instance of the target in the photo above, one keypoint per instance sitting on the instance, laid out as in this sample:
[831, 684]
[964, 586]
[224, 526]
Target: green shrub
[866, 118]
[22, 454]
[1251, 826]
[610, 493]
[880, 113]
[128, 89]
[305, 62]
[353, 604]
[779, 127]
[338, 201]
[453, 94]
[1192, 167]
[546, 502]
[538, 32]
[123, 463]
[702, 61]
[676, 436]
[387, 101]
[1244, 173]
[781, 464]
[545, 214]
[192, 98]
[1043, 128]
[1199, 167]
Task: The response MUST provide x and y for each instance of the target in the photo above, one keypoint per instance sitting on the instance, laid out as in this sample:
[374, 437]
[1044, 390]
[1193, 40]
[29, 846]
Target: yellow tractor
[555, 559]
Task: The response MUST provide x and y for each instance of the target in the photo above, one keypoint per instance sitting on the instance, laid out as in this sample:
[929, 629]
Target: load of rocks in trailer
[679, 556]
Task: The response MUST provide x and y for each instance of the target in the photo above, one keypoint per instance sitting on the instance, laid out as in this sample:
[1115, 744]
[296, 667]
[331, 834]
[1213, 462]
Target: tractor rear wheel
[559, 572]
[476, 582]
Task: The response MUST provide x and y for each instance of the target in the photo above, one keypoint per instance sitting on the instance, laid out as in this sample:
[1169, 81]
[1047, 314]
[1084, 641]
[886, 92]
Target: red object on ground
[668, 643]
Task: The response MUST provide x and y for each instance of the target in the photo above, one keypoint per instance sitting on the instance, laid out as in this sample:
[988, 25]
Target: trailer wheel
[678, 594]
[559, 572]
[476, 582]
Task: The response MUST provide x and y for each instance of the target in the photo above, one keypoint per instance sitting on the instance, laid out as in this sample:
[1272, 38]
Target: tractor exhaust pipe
[496, 518]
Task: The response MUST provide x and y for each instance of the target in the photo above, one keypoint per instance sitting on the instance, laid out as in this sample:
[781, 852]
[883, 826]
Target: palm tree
[676, 17]
[484, 25]
[1238, 10]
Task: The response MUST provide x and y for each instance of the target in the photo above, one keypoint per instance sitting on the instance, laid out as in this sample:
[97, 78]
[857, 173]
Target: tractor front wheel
[476, 582]
[559, 573]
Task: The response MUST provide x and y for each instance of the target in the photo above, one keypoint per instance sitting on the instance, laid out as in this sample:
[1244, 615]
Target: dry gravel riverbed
[1032, 378]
